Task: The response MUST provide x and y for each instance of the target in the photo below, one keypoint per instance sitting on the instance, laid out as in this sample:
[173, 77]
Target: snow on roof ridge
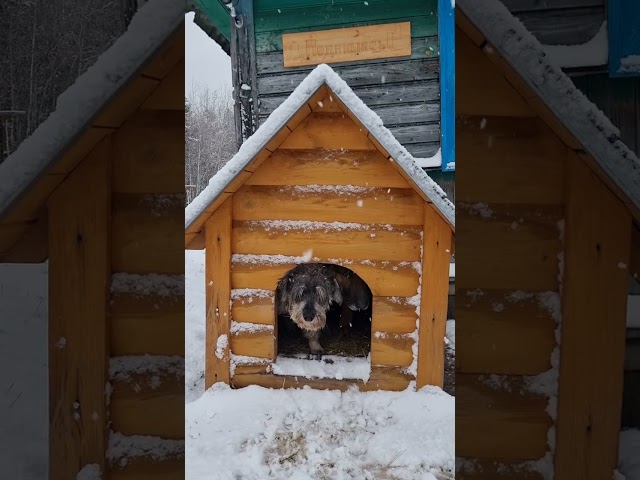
[524, 52]
[322, 74]
[149, 28]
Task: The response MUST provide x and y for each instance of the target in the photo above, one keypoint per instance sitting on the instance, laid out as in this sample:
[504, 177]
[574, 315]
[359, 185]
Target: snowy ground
[258, 433]
[23, 372]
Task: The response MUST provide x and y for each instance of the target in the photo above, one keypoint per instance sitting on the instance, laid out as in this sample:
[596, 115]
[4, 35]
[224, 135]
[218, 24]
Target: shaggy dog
[356, 295]
[305, 293]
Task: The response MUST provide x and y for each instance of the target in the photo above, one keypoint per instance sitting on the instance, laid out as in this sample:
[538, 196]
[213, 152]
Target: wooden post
[218, 294]
[434, 296]
[597, 243]
[79, 278]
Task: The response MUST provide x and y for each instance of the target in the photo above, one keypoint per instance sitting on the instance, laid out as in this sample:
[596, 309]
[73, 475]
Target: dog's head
[355, 291]
[306, 292]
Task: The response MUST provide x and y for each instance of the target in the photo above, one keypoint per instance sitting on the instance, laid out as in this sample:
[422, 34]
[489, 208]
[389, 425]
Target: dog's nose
[308, 316]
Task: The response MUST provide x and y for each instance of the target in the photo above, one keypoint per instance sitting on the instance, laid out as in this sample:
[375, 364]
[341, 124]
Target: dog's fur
[356, 295]
[305, 293]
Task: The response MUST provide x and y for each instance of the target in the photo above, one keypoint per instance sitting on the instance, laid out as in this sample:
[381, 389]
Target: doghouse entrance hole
[347, 332]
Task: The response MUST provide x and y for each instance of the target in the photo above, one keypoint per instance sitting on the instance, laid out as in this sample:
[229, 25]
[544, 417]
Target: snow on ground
[258, 433]
[629, 460]
[332, 366]
[24, 443]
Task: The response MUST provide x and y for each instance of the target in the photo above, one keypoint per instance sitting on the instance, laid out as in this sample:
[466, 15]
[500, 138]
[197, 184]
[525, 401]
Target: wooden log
[504, 332]
[261, 344]
[309, 167]
[434, 297]
[392, 316]
[392, 350]
[218, 295]
[380, 206]
[391, 280]
[373, 244]
[597, 244]
[517, 420]
[79, 271]
[258, 310]
[251, 369]
[147, 234]
[128, 100]
[147, 325]
[330, 131]
[155, 165]
[169, 94]
[392, 379]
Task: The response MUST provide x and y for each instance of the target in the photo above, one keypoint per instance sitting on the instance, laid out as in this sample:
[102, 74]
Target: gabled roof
[592, 130]
[84, 104]
[322, 75]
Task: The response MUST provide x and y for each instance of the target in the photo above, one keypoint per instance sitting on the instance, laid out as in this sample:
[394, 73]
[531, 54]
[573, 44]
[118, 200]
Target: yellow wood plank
[218, 294]
[384, 206]
[198, 223]
[436, 257]
[169, 94]
[310, 167]
[393, 350]
[79, 149]
[78, 321]
[261, 344]
[329, 131]
[253, 310]
[393, 316]
[194, 241]
[127, 101]
[376, 243]
[298, 117]
[465, 27]
[147, 234]
[168, 56]
[597, 242]
[26, 243]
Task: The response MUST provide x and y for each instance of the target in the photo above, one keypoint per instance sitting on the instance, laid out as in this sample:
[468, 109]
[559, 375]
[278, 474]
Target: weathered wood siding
[404, 92]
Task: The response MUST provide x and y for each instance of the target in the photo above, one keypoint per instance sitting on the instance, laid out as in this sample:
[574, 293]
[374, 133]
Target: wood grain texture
[327, 131]
[218, 294]
[78, 321]
[393, 316]
[309, 167]
[391, 280]
[374, 244]
[169, 55]
[516, 419]
[508, 247]
[434, 297]
[395, 207]
[147, 234]
[503, 332]
[261, 344]
[393, 350]
[169, 94]
[257, 310]
[128, 100]
[24, 243]
[598, 233]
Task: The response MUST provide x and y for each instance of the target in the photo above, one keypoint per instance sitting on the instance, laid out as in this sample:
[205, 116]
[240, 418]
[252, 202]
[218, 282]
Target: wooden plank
[251, 369]
[78, 321]
[218, 294]
[147, 325]
[28, 207]
[31, 246]
[194, 241]
[558, 127]
[598, 232]
[253, 310]
[375, 243]
[309, 167]
[169, 94]
[508, 160]
[508, 247]
[393, 350]
[155, 165]
[503, 332]
[465, 27]
[278, 138]
[347, 44]
[127, 101]
[481, 89]
[260, 344]
[434, 297]
[147, 468]
[393, 316]
[139, 402]
[381, 206]
[392, 379]
[518, 422]
[147, 234]
[331, 131]
[198, 224]
[298, 117]
[394, 279]
[168, 57]
[79, 149]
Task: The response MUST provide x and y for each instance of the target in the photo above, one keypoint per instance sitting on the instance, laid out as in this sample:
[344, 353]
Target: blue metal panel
[624, 38]
[446, 33]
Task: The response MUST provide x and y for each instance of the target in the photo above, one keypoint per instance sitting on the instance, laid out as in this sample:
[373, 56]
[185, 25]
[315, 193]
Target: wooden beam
[434, 297]
[597, 243]
[32, 247]
[79, 270]
[218, 293]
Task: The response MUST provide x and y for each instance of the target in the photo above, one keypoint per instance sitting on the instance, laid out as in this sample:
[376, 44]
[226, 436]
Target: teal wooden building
[413, 95]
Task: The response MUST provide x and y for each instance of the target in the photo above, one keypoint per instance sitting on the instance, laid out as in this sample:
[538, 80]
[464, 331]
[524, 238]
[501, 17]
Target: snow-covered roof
[80, 104]
[591, 128]
[321, 75]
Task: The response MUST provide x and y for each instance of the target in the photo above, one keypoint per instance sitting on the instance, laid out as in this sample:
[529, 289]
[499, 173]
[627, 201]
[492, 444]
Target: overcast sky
[206, 63]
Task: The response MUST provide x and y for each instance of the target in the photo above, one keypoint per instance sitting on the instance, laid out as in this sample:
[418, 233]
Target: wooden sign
[347, 44]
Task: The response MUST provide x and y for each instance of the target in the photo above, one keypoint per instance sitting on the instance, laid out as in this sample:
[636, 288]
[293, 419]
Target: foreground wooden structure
[323, 182]
[106, 212]
[543, 271]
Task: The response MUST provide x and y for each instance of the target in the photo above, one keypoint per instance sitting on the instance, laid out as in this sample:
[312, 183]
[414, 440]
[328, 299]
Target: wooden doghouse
[98, 191]
[547, 206]
[323, 174]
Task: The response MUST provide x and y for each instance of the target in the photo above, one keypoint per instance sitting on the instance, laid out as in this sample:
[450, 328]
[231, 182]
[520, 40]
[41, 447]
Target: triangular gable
[552, 94]
[322, 81]
[92, 107]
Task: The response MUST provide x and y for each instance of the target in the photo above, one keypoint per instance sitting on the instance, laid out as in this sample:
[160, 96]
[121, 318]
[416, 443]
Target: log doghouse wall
[324, 186]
